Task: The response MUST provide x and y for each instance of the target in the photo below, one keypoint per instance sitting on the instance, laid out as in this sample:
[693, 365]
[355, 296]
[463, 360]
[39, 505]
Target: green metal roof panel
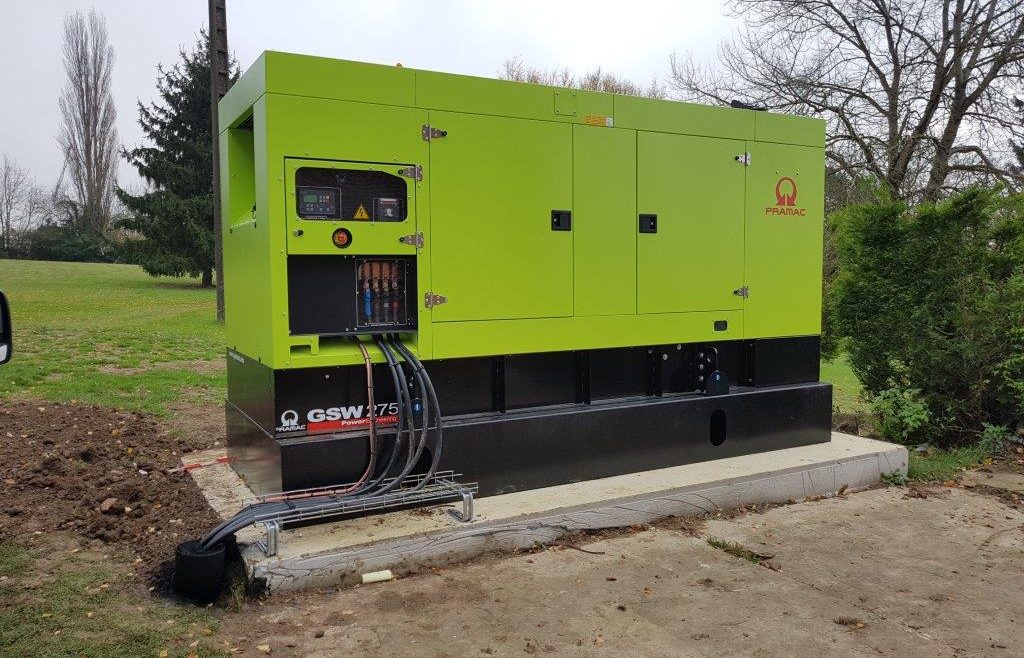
[683, 118]
[789, 129]
[321, 77]
[239, 100]
[461, 93]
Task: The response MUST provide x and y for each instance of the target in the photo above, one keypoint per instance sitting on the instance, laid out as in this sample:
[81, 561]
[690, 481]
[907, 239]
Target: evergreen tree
[174, 215]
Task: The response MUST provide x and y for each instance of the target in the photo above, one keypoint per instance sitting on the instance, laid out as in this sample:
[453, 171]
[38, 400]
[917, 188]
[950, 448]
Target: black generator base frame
[541, 447]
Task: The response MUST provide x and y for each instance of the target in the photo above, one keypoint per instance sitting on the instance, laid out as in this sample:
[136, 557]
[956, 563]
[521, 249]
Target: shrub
[929, 304]
[901, 413]
[51, 242]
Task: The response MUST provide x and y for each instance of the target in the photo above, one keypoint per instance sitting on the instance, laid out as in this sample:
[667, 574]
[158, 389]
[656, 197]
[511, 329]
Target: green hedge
[929, 304]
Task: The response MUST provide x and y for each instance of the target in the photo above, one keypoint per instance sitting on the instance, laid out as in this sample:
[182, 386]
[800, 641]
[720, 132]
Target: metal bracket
[432, 299]
[430, 132]
[414, 172]
[414, 239]
[744, 159]
[466, 515]
[269, 546]
[743, 291]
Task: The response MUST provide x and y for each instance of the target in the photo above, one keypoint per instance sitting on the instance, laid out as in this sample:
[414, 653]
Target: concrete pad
[409, 540]
[944, 564]
[1005, 480]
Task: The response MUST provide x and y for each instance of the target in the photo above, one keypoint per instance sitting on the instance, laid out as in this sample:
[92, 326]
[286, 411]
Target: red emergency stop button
[341, 238]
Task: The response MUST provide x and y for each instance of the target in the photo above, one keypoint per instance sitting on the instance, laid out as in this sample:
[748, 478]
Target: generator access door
[500, 235]
[784, 229]
[690, 223]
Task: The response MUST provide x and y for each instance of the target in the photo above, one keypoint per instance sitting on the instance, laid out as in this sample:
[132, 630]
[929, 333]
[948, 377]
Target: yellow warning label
[598, 120]
[361, 213]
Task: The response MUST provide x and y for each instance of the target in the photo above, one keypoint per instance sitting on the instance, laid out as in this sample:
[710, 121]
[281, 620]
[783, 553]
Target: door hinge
[429, 132]
[414, 172]
[414, 239]
[432, 299]
[743, 292]
[744, 159]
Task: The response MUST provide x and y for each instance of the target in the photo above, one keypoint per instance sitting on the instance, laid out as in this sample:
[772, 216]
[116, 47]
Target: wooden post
[219, 82]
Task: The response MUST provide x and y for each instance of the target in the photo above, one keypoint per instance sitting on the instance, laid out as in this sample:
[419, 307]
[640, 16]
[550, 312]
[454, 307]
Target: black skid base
[526, 421]
[534, 448]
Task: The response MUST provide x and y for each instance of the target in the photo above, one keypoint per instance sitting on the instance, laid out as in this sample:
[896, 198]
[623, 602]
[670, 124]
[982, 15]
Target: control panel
[361, 195]
[318, 202]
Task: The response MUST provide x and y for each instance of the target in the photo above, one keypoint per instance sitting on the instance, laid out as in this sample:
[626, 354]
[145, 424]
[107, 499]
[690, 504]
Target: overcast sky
[460, 36]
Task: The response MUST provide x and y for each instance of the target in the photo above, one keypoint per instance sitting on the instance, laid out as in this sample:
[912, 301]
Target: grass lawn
[78, 605]
[111, 335]
[846, 390]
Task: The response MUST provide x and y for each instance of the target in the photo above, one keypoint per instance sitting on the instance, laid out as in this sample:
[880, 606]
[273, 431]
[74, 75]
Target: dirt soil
[102, 475]
[923, 571]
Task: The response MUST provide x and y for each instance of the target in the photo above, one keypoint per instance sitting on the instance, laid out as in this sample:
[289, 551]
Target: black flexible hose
[407, 402]
[432, 394]
[418, 373]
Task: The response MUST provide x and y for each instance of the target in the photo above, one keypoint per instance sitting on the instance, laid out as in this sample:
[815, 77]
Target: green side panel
[313, 236]
[457, 339]
[604, 221]
[319, 77]
[695, 260]
[683, 118]
[787, 129]
[248, 271]
[784, 240]
[493, 183]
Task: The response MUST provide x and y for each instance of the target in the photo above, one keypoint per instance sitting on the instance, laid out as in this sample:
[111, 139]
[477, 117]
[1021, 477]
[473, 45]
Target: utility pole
[219, 63]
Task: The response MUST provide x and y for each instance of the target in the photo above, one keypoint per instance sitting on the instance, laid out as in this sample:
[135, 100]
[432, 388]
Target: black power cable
[396, 446]
[421, 374]
[267, 511]
[253, 513]
[406, 401]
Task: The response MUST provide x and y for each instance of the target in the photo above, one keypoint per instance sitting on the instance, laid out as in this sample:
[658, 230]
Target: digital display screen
[319, 202]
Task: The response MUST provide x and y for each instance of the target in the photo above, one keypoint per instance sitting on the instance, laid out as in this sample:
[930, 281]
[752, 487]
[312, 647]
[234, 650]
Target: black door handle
[648, 223]
[561, 220]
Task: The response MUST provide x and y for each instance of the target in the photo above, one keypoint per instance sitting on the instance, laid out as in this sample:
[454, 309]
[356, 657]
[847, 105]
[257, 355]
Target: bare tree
[918, 95]
[88, 135]
[595, 80]
[15, 193]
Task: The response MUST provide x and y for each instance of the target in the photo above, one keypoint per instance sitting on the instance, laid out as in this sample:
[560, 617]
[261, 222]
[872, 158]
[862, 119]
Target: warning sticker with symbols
[599, 120]
[361, 213]
[386, 210]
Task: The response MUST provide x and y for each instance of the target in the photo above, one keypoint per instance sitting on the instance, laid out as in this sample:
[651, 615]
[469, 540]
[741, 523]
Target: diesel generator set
[518, 285]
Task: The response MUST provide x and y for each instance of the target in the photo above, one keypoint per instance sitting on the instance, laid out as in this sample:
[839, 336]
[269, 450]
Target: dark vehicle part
[6, 331]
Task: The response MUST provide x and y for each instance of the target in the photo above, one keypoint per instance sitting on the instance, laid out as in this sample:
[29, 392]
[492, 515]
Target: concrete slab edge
[451, 545]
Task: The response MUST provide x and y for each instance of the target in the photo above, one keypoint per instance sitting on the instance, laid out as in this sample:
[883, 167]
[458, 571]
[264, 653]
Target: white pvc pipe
[377, 576]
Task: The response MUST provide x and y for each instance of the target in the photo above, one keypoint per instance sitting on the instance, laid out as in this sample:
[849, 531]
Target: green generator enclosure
[572, 267]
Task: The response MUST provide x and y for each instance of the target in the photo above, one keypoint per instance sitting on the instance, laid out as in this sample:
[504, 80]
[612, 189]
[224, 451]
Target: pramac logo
[785, 199]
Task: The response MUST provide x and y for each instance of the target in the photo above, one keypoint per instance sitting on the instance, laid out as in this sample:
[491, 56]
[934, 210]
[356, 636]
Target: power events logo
[785, 199]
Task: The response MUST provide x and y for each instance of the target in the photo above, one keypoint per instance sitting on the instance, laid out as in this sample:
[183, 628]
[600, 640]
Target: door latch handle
[561, 220]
